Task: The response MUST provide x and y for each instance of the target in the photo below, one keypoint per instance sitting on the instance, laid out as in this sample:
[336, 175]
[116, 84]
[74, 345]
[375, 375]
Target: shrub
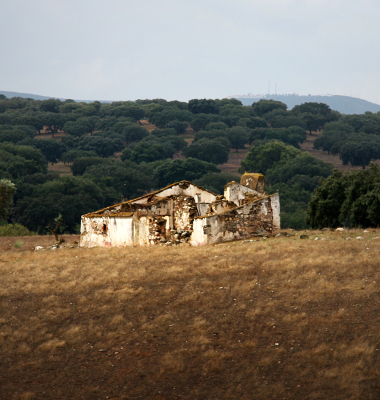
[15, 230]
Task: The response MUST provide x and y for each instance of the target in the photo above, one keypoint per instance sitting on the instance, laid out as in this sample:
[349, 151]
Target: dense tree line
[347, 199]
[95, 132]
[356, 138]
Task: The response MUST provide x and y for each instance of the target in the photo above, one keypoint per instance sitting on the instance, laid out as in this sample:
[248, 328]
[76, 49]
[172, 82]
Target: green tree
[302, 164]
[134, 133]
[216, 181]
[168, 114]
[50, 105]
[361, 207]
[151, 150]
[76, 129]
[12, 135]
[292, 135]
[71, 155]
[238, 137]
[17, 161]
[312, 108]
[315, 115]
[314, 122]
[81, 164]
[350, 199]
[31, 120]
[69, 196]
[125, 178]
[256, 122]
[120, 126]
[178, 126]
[203, 106]
[214, 134]
[287, 121]
[7, 191]
[334, 135]
[57, 226]
[359, 153]
[262, 106]
[262, 158]
[235, 111]
[216, 126]
[104, 146]
[176, 142]
[50, 148]
[325, 205]
[208, 150]
[129, 111]
[202, 120]
[178, 170]
[53, 122]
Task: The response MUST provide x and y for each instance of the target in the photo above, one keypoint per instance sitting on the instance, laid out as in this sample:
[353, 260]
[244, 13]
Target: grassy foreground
[281, 318]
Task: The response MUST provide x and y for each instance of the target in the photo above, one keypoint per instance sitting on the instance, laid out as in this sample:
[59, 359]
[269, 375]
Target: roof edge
[147, 195]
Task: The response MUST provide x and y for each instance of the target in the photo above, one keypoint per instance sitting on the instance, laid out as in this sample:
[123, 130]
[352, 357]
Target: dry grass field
[282, 318]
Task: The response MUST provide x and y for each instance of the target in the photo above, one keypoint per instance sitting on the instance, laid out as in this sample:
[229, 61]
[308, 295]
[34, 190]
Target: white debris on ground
[56, 246]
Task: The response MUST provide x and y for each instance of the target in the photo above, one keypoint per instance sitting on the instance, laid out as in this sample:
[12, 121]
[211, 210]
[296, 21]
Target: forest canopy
[113, 156]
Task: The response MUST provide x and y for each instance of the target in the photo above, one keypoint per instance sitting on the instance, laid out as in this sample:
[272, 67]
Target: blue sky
[180, 49]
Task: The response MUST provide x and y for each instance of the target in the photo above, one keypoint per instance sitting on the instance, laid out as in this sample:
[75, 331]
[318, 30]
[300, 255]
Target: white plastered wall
[275, 202]
[118, 232]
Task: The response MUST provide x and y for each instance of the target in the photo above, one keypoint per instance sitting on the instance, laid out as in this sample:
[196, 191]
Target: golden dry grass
[281, 318]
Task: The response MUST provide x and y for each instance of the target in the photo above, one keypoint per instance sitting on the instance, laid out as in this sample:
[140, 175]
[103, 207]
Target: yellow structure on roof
[254, 181]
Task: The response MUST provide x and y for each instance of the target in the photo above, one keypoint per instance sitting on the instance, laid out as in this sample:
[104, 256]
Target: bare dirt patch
[278, 318]
[234, 160]
[62, 168]
[147, 125]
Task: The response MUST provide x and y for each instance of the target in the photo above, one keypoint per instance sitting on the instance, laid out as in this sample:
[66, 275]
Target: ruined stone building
[186, 213]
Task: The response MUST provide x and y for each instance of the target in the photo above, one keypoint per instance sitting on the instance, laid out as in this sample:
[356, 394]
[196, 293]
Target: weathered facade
[186, 213]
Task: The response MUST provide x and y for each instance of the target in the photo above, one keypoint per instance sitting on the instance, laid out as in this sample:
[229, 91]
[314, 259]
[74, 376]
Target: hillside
[307, 145]
[278, 318]
[343, 104]
[9, 95]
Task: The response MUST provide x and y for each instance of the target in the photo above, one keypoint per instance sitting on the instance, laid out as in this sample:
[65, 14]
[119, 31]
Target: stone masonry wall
[253, 223]
[249, 220]
[185, 210]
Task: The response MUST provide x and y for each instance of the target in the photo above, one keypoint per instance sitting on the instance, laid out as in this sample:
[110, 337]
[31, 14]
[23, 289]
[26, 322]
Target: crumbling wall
[236, 192]
[159, 229]
[183, 188]
[185, 210]
[220, 205]
[249, 220]
[180, 218]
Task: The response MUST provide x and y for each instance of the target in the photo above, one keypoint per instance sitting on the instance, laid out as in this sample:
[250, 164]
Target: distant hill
[9, 95]
[343, 104]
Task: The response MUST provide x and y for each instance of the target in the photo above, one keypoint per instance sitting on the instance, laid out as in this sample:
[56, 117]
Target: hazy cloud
[180, 49]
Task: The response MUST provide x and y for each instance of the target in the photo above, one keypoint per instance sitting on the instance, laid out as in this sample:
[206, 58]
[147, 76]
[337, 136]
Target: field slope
[281, 318]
